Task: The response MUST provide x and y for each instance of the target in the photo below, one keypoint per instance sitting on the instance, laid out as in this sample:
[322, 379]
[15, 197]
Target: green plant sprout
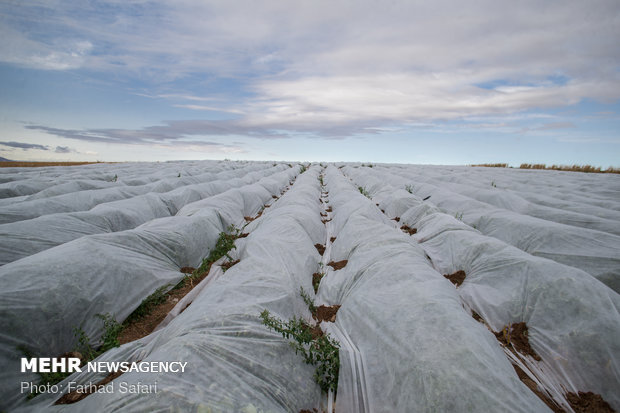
[364, 192]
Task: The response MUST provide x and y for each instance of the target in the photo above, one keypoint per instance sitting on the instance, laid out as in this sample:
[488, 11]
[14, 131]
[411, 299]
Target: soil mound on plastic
[397, 219]
[517, 335]
[457, 278]
[409, 230]
[326, 313]
[332, 239]
[320, 248]
[588, 403]
[338, 265]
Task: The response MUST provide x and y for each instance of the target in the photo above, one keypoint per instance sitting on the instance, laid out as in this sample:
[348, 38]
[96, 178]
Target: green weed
[153, 300]
[317, 349]
[364, 192]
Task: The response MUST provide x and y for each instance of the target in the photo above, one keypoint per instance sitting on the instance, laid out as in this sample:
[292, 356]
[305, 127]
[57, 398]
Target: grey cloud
[334, 68]
[63, 149]
[25, 146]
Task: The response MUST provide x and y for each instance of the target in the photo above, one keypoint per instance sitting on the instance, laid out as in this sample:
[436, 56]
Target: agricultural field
[320, 287]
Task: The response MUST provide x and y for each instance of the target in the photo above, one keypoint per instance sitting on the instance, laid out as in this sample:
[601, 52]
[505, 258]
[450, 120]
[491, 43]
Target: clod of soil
[397, 219]
[534, 388]
[320, 248]
[316, 280]
[188, 270]
[243, 235]
[325, 221]
[76, 396]
[225, 266]
[316, 332]
[517, 335]
[332, 239]
[338, 265]
[457, 278]
[326, 313]
[323, 214]
[409, 230]
[383, 211]
[249, 219]
[328, 209]
[274, 196]
[588, 403]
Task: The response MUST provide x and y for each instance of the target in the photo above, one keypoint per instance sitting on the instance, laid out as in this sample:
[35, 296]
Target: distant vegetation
[572, 168]
[28, 164]
[493, 165]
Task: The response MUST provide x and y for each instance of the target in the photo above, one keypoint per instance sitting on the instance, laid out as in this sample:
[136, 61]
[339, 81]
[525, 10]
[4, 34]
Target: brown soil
[316, 280]
[457, 278]
[323, 214]
[248, 219]
[320, 248]
[337, 265]
[477, 317]
[409, 230]
[534, 387]
[517, 335]
[325, 221]
[145, 325]
[326, 313]
[188, 270]
[328, 209]
[397, 219]
[226, 265]
[243, 235]
[316, 332]
[274, 196]
[76, 396]
[332, 239]
[588, 403]
[24, 164]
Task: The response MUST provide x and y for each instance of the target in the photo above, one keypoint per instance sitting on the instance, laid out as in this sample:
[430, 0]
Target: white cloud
[334, 67]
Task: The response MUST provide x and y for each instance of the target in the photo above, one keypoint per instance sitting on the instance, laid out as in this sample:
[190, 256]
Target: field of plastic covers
[441, 289]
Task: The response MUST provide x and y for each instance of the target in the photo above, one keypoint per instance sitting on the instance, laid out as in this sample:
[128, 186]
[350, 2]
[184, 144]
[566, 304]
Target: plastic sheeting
[234, 362]
[573, 319]
[24, 238]
[91, 275]
[408, 340]
[412, 347]
[596, 252]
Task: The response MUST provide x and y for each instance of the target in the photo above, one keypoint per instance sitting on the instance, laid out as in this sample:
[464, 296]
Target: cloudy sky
[444, 82]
